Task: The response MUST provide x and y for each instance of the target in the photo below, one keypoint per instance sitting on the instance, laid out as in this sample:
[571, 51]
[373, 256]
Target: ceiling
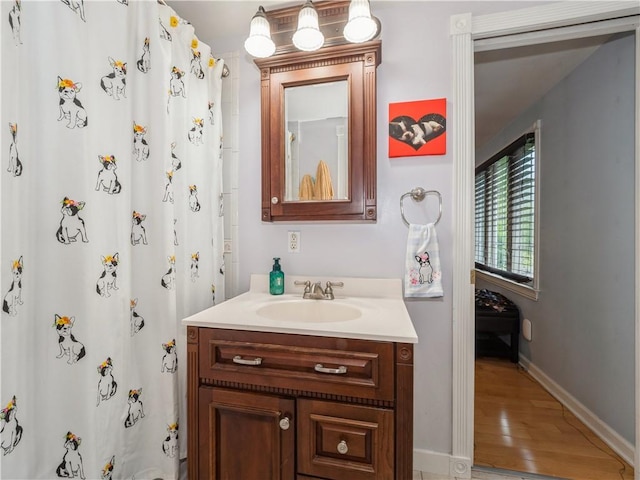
[507, 81]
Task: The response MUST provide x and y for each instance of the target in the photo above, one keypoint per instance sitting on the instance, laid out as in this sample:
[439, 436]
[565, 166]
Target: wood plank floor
[519, 426]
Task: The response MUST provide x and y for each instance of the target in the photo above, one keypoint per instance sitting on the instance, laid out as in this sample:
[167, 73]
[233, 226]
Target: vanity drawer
[338, 441]
[327, 365]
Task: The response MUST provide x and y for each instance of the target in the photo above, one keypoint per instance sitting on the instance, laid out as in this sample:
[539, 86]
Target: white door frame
[465, 30]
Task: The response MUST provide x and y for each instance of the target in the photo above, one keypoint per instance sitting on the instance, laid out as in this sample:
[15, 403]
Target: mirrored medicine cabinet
[318, 120]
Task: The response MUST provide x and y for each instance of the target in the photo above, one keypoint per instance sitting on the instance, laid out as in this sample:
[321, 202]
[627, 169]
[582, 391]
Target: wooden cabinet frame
[355, 63]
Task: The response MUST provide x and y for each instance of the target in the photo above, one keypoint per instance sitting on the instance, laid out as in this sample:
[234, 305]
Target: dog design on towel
[71, 465]
[136, 411]
[13, 298]
[425, 271]
[107, 385]
[10, 429]
[107, 470]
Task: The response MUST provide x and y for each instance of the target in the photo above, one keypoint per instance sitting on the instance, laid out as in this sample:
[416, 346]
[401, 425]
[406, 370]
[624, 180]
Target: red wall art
[418, 128]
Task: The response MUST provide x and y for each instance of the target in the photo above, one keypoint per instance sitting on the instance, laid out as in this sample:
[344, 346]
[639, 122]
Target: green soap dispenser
[276, 278]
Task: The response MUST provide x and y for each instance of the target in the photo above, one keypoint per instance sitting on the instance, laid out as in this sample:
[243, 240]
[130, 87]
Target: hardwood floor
[519, 426]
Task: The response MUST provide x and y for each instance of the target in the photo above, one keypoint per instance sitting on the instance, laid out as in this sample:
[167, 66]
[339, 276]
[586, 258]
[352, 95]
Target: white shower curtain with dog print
[111, 233]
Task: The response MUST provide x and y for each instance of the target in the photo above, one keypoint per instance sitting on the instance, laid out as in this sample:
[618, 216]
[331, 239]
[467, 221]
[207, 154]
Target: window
[505, 213]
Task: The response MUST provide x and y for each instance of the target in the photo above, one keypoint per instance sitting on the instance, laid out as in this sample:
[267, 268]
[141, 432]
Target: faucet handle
[307, 285]
[329, 290]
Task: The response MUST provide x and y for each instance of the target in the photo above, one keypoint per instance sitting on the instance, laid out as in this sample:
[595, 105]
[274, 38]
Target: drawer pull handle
[343, 448]
[238, 359]
[335, 371]
[285, 423]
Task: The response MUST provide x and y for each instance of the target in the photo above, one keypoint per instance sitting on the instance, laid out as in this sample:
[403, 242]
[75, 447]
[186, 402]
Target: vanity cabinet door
[245, 435]
[345, 442]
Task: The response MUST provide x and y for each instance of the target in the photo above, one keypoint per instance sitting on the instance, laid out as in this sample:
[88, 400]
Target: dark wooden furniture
[273, 406]
[355, 63]
[496, 317]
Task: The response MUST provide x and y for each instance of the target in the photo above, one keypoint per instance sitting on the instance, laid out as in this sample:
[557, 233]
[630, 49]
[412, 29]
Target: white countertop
[383, 314]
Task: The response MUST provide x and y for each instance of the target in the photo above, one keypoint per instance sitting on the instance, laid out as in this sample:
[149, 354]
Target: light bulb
[361, 26]
[308, 36]
[259, 43]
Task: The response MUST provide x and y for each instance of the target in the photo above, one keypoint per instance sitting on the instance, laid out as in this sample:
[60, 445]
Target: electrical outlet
[293, 242]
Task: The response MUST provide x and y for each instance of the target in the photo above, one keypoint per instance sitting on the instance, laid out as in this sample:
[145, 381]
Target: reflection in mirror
[317, 142]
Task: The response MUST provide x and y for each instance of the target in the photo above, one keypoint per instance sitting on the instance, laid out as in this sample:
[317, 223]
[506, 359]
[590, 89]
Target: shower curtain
[111, 233]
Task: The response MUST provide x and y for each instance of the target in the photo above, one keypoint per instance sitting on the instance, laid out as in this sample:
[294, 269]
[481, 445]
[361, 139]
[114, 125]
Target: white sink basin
[314, 311]
[364, 308]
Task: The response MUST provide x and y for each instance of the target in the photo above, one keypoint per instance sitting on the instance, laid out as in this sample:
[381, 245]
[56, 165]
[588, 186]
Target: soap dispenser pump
[276, 278]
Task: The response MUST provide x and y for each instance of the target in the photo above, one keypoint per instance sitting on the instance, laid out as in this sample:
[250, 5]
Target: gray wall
[583, 321]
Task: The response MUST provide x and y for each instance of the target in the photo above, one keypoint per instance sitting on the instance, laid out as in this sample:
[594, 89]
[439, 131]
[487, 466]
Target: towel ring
[418, 195]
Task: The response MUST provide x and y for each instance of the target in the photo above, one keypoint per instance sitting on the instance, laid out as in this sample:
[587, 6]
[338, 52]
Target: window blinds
[505, 211]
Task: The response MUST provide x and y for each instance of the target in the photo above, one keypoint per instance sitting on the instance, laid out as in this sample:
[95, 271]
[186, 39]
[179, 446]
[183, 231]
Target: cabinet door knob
[274, 200]
[343, 448]
[285, 423]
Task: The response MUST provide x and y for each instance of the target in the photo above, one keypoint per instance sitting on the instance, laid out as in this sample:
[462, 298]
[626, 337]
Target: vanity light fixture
[344, 21]
[308, 36]
[361, 26]
[259, 43]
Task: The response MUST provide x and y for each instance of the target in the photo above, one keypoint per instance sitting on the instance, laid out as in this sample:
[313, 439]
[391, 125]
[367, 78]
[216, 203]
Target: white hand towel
[423, 277]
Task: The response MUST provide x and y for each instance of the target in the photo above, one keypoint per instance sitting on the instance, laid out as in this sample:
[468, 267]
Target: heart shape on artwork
[417, 133]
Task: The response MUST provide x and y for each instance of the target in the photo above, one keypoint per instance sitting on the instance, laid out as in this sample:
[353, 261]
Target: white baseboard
[618, 444]
[443, 465]
[431, 462]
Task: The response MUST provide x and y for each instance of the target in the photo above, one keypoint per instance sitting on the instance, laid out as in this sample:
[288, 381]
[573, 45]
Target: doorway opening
[518, 424]
[533, 25]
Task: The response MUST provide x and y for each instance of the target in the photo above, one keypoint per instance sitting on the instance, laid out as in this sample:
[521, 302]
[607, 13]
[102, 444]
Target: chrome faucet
[316, 292]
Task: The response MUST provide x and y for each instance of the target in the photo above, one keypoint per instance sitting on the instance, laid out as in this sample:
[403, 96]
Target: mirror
[316, 118]
[318, 129]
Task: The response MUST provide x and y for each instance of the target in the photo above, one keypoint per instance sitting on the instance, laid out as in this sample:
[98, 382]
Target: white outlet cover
[293, 241]
[526, 329]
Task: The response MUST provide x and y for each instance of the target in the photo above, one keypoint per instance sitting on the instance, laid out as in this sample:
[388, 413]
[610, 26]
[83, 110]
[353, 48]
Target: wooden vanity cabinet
[270, 406]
